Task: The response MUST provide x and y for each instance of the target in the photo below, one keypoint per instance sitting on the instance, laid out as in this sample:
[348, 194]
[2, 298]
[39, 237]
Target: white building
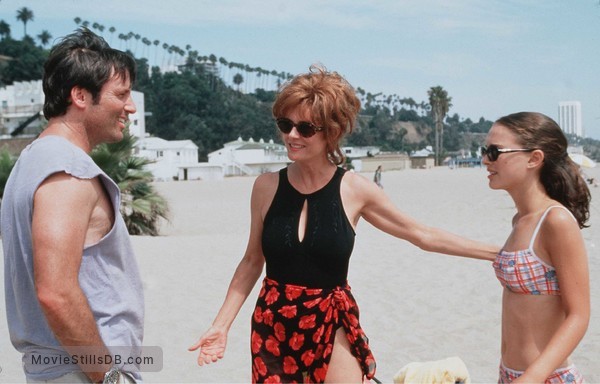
[241, 157]
[359, 152]
[137, 127]
[178, 160]
[21, 108]
[569, 118]
[167, 157]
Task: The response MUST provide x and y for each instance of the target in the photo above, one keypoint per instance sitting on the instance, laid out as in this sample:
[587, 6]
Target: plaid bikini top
[524, 272]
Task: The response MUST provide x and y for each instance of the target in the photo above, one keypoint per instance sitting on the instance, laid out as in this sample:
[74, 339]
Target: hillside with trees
[211, 100]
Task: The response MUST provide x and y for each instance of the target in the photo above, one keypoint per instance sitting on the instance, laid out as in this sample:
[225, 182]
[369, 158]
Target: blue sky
[494, 57]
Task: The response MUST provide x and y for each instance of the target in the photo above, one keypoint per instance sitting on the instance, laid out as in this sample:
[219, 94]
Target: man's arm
[63, 209]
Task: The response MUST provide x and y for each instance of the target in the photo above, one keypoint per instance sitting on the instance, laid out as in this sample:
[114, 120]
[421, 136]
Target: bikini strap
[539, 224]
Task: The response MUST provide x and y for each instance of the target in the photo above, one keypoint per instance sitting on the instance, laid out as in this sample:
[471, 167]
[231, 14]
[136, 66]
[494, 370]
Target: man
[72, 286]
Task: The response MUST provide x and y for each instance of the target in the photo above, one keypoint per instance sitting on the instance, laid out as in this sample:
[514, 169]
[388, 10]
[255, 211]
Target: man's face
[108, 116]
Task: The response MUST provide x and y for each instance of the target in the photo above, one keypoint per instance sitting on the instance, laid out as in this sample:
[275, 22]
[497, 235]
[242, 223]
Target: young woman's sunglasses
[493, 152]
[304, 128]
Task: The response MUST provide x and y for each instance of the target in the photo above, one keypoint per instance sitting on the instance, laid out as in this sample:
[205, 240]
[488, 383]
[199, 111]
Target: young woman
[305, 327]
[543, 265]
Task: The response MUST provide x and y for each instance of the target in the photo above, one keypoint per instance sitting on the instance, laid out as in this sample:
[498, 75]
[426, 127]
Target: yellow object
[447, 371]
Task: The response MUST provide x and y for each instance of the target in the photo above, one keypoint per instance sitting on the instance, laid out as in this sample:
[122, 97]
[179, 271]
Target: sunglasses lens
[306, 129]
[491, 152]
[285, 125]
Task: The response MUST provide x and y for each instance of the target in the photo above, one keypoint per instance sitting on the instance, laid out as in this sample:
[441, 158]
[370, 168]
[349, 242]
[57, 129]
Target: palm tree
[156, 43]
[213, 59]
[165, 48]
[129, 36]
[122, 37]
[274, 73]
[146, 41]
[248, 69]
[112, 31]
[238, 79]
[4, 29]
[141, 206]
[137, 38]
[44, 37]
[440, 105]
[7, 163]
[25, 15]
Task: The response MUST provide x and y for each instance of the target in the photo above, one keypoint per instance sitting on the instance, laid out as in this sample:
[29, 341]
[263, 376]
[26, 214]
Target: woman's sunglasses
[493, 152]
[304, 128]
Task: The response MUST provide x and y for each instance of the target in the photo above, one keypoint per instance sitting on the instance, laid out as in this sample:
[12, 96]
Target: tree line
[211, 100]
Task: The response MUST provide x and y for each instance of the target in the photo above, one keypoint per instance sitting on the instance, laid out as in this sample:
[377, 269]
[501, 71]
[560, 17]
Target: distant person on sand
[589, 180]
[377, 177]
[543, 265]
[305, 326]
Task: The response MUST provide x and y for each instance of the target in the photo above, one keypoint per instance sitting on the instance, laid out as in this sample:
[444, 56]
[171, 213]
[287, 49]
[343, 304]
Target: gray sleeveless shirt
[108, 274]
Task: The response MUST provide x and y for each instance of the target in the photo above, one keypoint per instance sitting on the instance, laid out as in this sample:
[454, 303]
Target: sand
[415, 306]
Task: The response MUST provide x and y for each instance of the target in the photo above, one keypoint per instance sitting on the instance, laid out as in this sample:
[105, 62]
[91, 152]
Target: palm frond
[7, 162]
[141, 206]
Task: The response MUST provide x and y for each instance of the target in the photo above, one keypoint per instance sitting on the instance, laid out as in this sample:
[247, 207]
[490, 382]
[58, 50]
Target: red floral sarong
[293, 330]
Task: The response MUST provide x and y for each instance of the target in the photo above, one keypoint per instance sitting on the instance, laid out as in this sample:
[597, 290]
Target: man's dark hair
[81, 59]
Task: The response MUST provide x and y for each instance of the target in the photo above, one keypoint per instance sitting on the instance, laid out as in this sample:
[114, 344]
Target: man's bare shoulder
[61, 187]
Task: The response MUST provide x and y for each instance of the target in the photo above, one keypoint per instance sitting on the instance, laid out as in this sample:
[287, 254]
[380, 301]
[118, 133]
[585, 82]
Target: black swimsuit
[305, 298]
[321, 259]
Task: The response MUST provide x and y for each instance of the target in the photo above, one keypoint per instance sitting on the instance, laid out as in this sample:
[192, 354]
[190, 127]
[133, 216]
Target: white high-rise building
[569, 117]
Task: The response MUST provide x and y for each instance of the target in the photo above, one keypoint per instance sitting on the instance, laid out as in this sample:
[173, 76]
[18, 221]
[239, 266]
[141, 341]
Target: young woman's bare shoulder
[559, 219]
[559, 225]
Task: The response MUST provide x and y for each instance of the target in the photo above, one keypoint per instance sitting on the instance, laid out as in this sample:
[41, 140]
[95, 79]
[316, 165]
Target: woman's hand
[212, 345]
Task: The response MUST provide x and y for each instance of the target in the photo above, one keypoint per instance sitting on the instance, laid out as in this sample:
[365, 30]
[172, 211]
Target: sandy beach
[415, 306]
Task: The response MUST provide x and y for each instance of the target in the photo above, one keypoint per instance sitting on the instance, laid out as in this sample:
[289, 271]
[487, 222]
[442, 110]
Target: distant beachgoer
[377, 177]
[543, 265]
[588, 179]
[305, 326]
